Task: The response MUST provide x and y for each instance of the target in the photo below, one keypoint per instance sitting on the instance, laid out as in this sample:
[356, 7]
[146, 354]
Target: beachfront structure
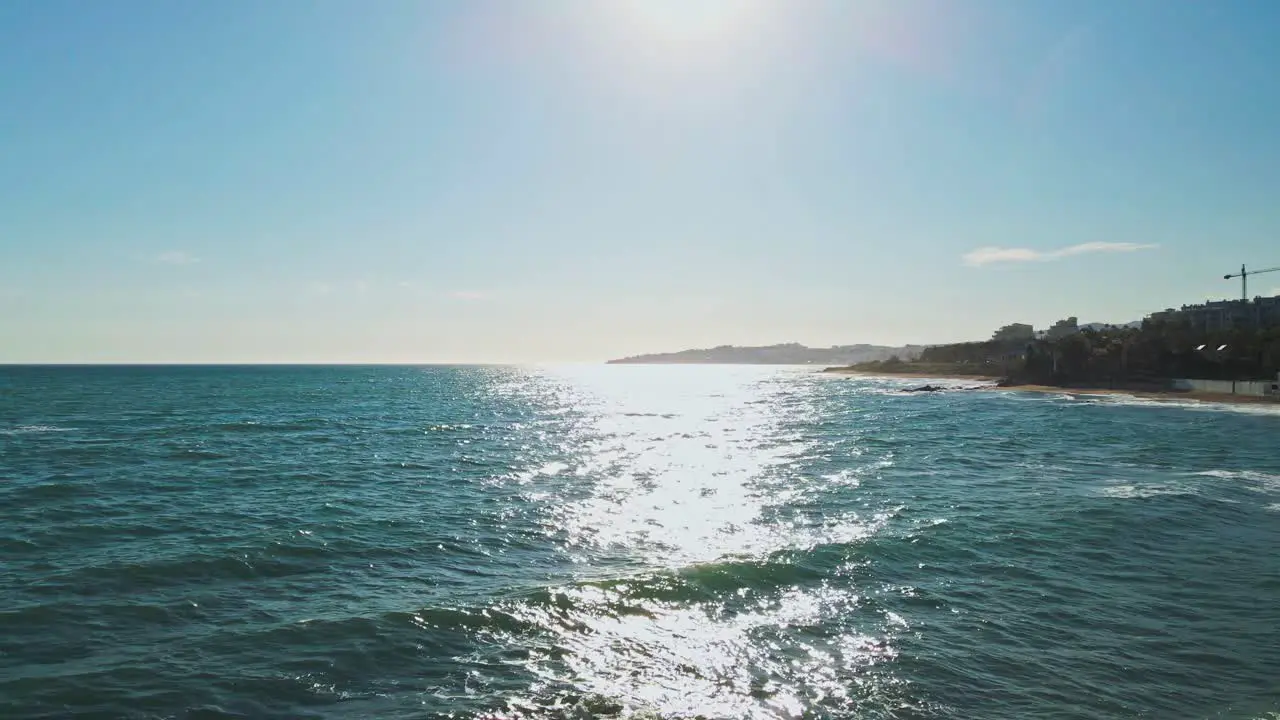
[1248, 388]
[1219, 315]
[1063, 328]
[1014, 332]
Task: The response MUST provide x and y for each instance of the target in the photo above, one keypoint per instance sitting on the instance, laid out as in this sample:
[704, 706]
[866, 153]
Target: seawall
[1252, 388]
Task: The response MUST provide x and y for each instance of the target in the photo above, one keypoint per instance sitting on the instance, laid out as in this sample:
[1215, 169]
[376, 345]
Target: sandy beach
[1166, 395]
[1149, 394]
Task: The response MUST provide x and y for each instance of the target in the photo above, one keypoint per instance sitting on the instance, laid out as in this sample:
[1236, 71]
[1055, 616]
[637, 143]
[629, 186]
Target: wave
[1120, 399]
[735, 638]
[255, 426]
[1138, 492]
[197, 569]
[1249, 479]
[730, 638]
[1199, 484]
[34, 429]
[1249, 475]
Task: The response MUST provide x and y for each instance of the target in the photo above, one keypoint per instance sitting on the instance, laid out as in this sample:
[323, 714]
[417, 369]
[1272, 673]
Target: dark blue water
[620, 541]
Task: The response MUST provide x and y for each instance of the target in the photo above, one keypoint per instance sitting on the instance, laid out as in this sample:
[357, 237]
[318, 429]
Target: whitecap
[1260, 481]
[1174, 402]
[32, 429]
[1251, 475]
[1136, 492]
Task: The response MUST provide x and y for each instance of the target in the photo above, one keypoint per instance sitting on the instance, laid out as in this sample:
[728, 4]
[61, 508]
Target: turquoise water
[719, 542]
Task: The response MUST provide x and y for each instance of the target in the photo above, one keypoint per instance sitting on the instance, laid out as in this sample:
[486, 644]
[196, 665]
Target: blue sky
[572, 180]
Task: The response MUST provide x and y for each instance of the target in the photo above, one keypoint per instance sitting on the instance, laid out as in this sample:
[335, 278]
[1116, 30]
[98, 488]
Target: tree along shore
[1148, 357]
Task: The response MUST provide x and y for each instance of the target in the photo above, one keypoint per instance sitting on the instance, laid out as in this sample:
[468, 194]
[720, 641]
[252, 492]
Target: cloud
[1100, 247]
[987, 255]
[991, 255]
[469, 295]
[176, 257]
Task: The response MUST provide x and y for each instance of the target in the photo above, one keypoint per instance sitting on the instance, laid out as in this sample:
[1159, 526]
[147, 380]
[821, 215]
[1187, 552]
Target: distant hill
[785, 354]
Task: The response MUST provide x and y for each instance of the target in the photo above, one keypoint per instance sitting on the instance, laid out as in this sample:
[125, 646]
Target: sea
[613, 541]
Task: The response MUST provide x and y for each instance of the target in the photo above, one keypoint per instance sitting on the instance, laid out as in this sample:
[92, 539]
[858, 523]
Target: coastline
[1144, 393]
[1158, 395]
[917, 375]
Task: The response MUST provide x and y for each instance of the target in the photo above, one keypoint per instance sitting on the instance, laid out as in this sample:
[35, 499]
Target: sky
[575, 180]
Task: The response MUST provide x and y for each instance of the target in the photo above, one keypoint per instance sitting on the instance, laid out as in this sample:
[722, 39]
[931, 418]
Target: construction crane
[1244, 279]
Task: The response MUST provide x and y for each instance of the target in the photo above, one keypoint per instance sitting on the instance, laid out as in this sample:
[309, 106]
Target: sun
[691, 30]
[673, 48]
[678, 22]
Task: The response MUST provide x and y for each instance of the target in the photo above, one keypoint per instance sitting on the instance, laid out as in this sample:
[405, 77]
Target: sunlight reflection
[768, 658]
[685, 463]
[681, 491]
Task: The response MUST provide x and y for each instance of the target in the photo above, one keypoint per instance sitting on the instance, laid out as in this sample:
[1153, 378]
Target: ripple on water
[619, 541]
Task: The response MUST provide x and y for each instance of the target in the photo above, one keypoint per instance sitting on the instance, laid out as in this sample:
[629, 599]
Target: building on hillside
[1063, 328]
[1014, 332]
[1220, 315]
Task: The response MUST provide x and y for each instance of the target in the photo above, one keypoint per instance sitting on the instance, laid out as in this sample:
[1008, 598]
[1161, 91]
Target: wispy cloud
[176, 257]
[987, 255]
[992, 255]
[470, 295]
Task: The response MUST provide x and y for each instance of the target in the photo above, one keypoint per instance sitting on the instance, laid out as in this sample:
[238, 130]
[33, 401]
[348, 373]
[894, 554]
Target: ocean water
[626, 541]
